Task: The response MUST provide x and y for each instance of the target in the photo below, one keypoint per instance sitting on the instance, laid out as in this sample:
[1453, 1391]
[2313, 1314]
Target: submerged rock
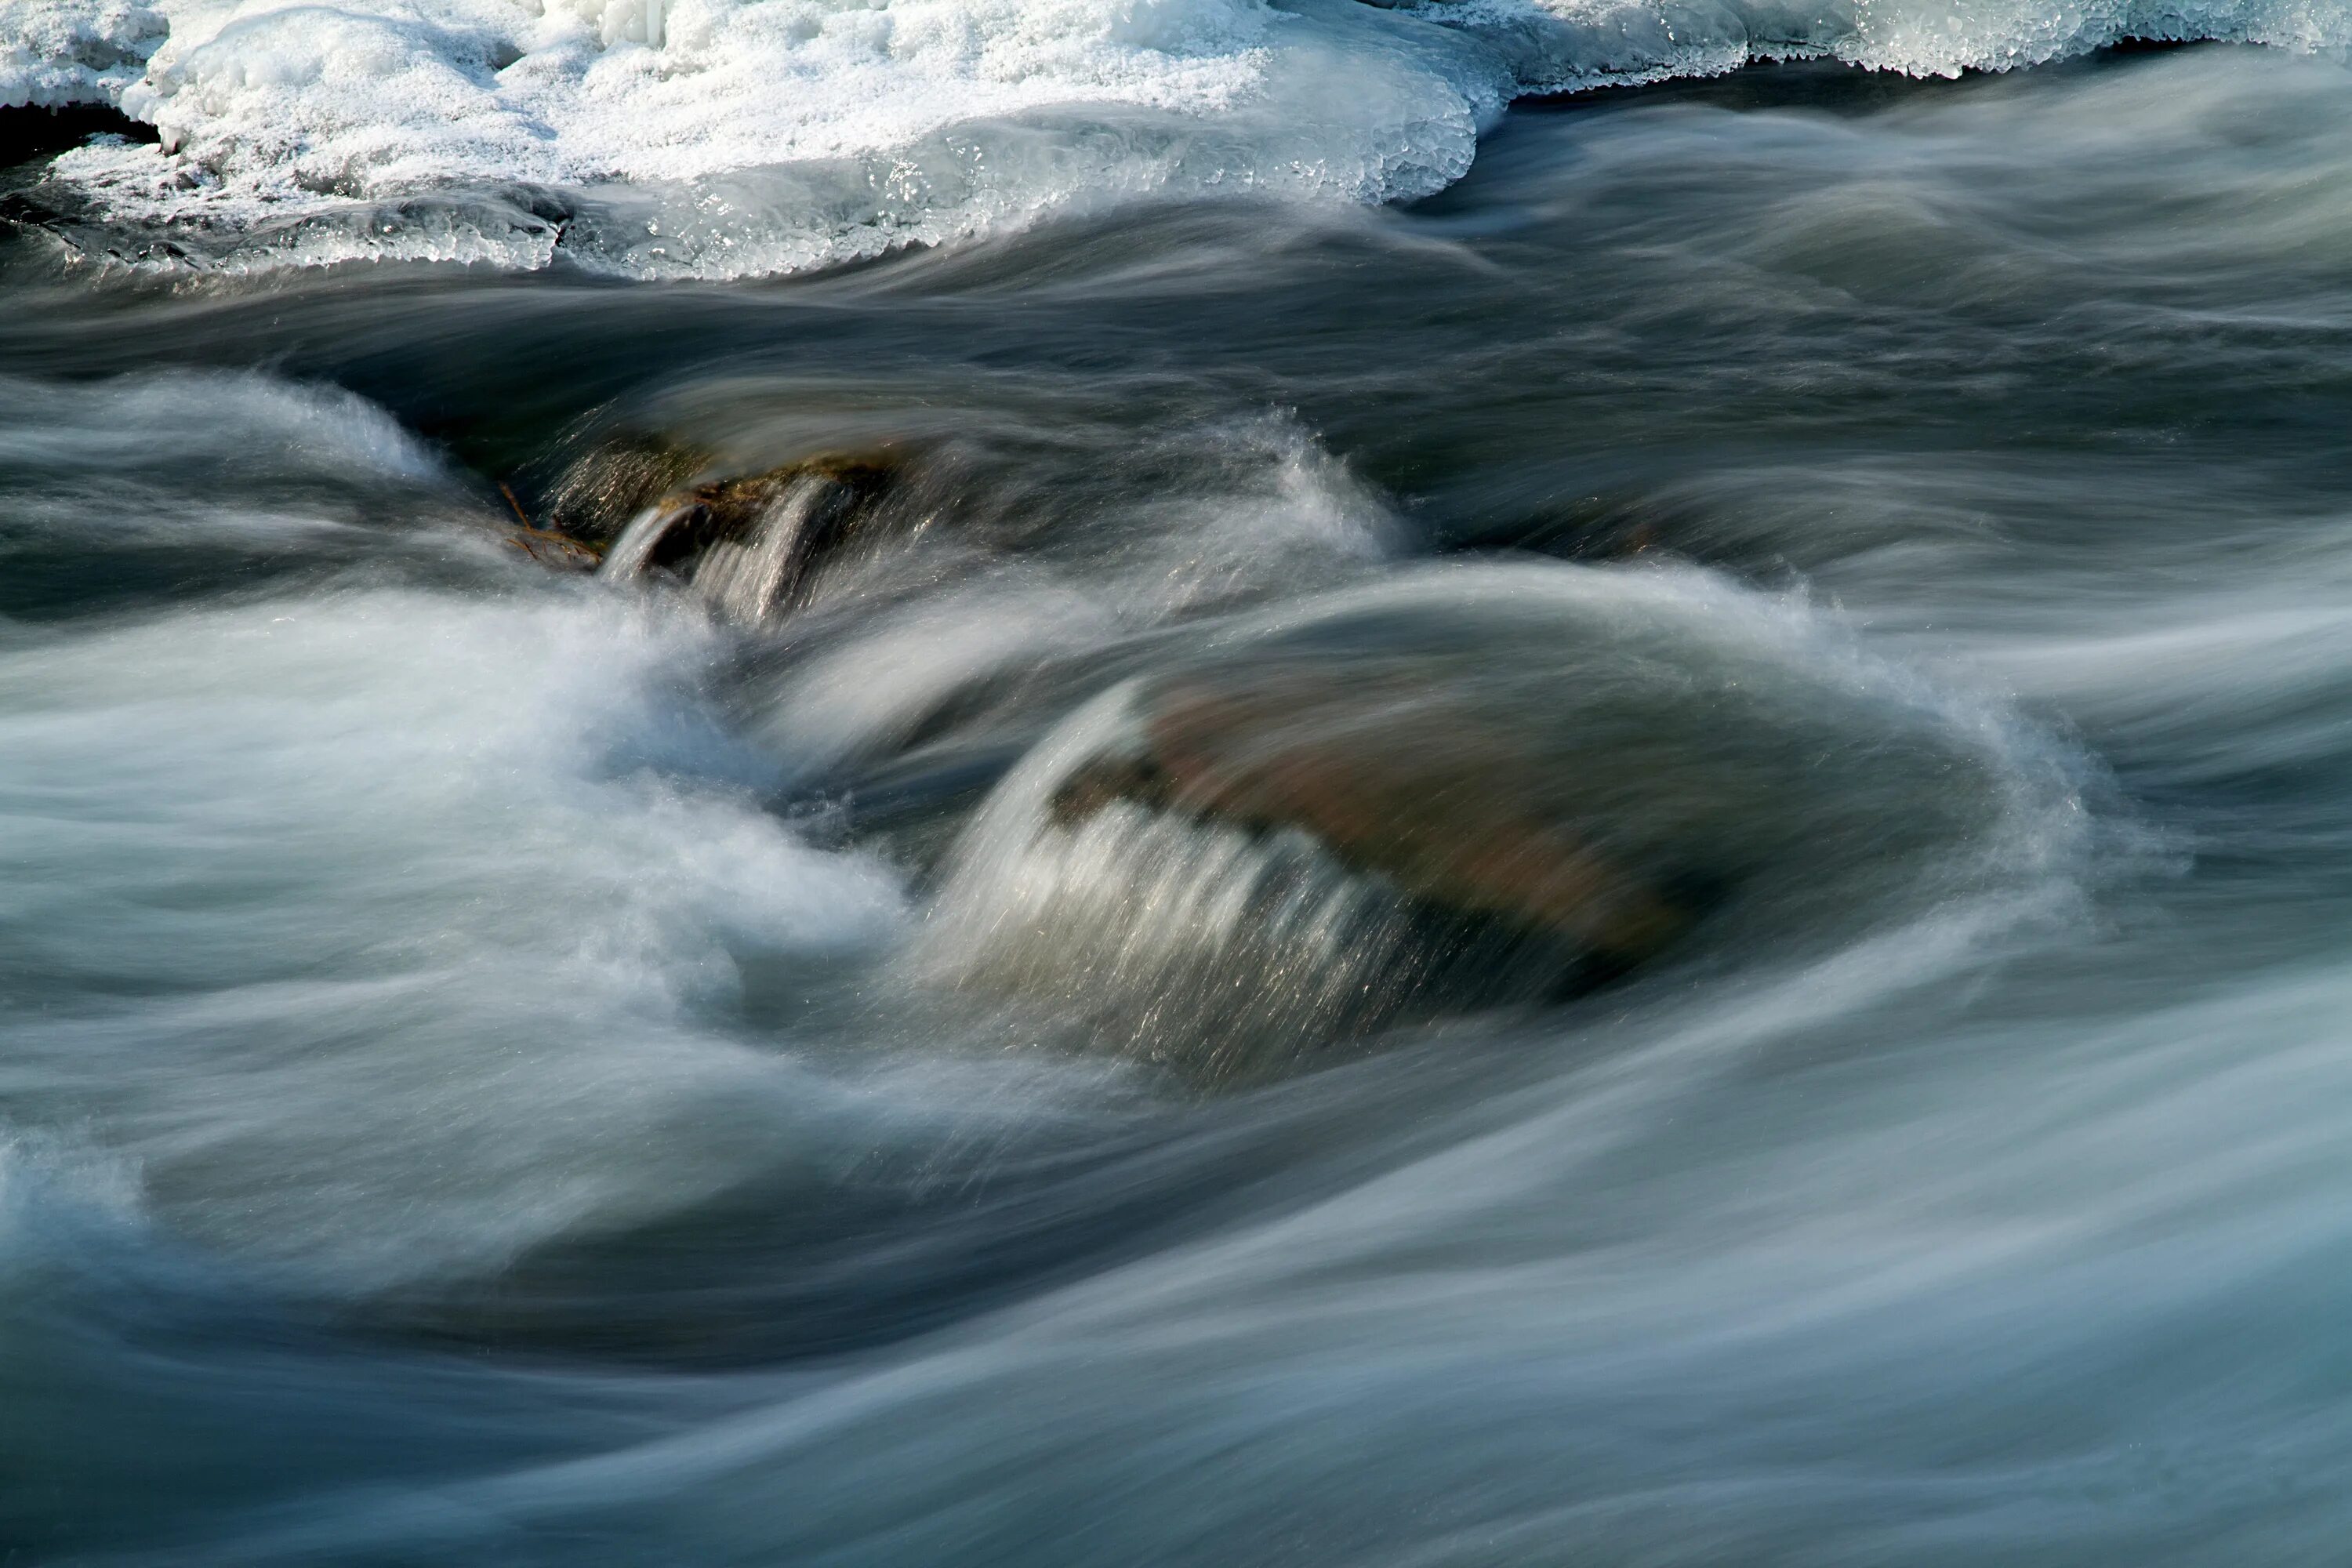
[1450, 815]
[1477, 786]
[606, 479]
[750, 543]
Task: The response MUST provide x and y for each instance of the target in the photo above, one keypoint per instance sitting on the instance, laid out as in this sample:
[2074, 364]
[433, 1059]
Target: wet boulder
[750, 543]
[1414, 788]
[1471, 787]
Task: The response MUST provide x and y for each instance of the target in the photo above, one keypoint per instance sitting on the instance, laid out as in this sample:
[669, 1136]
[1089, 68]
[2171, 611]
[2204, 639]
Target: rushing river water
[761, 1060]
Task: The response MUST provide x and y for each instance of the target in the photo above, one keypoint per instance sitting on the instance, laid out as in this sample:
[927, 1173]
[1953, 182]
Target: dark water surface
[508, 1066]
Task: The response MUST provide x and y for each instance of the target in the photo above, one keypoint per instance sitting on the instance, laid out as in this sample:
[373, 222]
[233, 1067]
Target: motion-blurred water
[499, 1066]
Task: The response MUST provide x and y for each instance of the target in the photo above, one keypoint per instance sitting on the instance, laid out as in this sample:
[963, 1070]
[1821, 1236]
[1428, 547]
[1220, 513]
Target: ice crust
[722, 138]
[55, 52]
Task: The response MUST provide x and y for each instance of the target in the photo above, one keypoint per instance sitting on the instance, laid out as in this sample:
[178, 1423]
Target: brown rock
[1439, 808]
[750, 542]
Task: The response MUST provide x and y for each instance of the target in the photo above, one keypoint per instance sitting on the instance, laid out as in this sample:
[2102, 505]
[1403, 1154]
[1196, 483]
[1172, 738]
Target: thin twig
[519, 514]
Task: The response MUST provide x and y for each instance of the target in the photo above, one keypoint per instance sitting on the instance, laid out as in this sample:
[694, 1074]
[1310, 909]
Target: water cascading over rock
[1475, 786]
[749, 544]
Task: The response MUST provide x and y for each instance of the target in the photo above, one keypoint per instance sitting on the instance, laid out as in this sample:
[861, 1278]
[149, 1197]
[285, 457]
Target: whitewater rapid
[506, 1065]
[733, 138]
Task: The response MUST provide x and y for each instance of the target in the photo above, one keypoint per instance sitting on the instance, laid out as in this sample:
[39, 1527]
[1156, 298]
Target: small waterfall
[744, 578]
[1220, 953]
[1131, 894]
[634, 549]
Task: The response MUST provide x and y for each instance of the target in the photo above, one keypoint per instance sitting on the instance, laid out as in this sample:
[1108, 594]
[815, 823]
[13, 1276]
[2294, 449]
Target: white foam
[761, 135]
[415, 930]
[731, 137]
[160, 424]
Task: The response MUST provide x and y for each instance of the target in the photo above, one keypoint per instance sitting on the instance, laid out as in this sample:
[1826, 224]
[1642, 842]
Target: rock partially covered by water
[1417, 788]
[1475, 786]
[750, 543]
